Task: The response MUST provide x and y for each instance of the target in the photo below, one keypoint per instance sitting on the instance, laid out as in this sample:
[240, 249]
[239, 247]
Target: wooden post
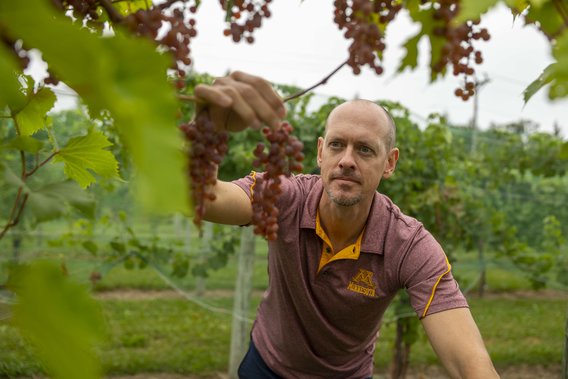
[565, 357]
[200, 282]
[243, 289]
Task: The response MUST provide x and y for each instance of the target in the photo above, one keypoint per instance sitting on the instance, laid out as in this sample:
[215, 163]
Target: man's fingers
[213, 95]
[265, 90]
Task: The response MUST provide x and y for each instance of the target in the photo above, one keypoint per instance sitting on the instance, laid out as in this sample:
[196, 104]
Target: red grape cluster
[284, 157]
[81, 9]
[249, 13]
[181, 29]
[458, 49]
[361, 20]
[206, 151]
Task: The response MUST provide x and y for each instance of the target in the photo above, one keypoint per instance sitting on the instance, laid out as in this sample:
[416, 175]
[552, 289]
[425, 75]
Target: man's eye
[365, 150]
[335, 145]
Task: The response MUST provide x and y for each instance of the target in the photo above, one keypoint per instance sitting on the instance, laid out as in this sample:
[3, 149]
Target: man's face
[353, 155]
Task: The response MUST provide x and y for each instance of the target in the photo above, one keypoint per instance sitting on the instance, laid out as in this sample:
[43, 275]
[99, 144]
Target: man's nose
[347, 160]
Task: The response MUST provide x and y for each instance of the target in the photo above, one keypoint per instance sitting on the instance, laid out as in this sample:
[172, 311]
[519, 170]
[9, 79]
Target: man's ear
[320, 148]
[391, 163]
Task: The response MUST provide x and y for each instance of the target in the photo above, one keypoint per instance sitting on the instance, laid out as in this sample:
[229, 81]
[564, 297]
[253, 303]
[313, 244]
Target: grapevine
[458, 50]
[250, 14]
[206, 151]
[284, 157]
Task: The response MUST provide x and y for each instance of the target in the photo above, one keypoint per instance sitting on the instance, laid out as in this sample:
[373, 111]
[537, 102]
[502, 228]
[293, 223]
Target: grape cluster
[207, 147]
[284, 157]
[177, 39]
[458, 51]
[361, 20]
[244, 17]
[81, 9]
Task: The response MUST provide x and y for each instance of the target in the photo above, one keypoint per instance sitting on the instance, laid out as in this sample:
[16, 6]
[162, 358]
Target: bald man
[343, 250]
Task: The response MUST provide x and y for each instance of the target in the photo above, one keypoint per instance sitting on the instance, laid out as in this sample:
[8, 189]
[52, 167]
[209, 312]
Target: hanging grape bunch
[182, 28]
[361, 24]
[283, 158]
[243, 17]
[458, 51]
[206, 150]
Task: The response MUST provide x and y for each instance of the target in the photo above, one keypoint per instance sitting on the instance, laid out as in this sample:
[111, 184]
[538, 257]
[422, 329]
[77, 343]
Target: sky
[300, 45]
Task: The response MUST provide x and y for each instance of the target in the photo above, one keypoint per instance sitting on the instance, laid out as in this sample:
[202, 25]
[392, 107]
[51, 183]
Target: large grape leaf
[473, 9]
[59, 318]
[425, 18]
[50, 201]
[556, 74]
[123, 75]
[25, 143]
[31, 118]
[86, 153]
[10, 94]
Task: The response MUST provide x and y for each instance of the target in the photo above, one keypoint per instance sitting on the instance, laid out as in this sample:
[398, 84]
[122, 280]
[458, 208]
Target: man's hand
[240, 100]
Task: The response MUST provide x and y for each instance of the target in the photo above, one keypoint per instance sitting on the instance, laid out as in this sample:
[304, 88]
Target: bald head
[382, 116]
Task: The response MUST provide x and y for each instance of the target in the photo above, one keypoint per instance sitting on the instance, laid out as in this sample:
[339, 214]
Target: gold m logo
[364, 277]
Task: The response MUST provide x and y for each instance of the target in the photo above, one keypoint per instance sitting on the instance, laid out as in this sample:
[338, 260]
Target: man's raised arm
[234, 103]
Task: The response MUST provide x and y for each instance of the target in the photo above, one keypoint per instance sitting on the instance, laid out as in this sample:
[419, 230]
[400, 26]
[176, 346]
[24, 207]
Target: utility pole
[478, 86]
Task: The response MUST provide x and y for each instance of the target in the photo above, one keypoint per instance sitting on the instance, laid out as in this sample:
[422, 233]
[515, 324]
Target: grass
[176, 336]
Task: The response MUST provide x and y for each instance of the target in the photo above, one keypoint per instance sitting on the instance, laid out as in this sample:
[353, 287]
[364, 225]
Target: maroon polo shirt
[324, 324]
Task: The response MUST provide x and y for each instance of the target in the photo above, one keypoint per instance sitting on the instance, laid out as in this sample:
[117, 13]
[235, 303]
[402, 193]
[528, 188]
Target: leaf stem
[42, 163]
[112, 12]
[563, 11]
[321, 82]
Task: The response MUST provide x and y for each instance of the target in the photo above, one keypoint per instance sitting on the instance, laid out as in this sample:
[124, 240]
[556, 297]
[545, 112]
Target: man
[343, 249]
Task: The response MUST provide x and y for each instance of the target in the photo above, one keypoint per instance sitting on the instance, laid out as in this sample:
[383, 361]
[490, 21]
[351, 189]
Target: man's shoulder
[395, 214]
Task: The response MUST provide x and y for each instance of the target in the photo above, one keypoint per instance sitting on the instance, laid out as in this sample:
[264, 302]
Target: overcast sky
[300, 44]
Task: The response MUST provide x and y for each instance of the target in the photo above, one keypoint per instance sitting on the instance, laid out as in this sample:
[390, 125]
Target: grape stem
[321, 82]
[190, 98]
[563, 11]
[112, 12]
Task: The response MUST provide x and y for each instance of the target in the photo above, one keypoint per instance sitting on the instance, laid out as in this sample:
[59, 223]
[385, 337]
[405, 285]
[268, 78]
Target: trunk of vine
[399, 365]
[243, 291]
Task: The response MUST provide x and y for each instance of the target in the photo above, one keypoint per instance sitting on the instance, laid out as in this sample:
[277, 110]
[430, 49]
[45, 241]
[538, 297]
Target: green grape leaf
[550, 20]
[411, 58]
[48, 202]
[85, 153]
[564, 151]
[59, 318]
[10, 177]
[91, 247]
[128, 7]
[473, 9]
[26, 143]
[543, 79]
[31, 118]
[10, 95]
[559, 86]
[123, 75]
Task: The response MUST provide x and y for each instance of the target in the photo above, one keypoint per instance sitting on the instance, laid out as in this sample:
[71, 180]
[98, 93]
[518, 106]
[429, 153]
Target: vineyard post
[205, 249]
[565, 357]
[243, 290]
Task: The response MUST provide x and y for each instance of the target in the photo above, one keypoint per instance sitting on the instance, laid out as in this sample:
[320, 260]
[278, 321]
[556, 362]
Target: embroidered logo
[363, 283]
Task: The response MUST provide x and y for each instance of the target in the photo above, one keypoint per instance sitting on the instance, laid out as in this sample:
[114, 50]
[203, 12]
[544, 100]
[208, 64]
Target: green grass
[177, 336]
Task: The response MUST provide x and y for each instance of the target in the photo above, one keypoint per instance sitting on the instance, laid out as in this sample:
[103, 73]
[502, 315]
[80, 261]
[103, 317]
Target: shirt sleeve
[426, 275]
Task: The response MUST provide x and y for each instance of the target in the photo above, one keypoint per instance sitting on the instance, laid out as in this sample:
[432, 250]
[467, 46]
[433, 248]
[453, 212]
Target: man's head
[356, 151]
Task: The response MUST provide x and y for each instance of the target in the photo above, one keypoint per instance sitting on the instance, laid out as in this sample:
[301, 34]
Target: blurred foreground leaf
[59, 318]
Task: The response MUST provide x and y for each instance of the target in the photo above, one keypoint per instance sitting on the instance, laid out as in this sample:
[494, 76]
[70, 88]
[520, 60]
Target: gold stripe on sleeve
[435, 286]
[253, 174]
